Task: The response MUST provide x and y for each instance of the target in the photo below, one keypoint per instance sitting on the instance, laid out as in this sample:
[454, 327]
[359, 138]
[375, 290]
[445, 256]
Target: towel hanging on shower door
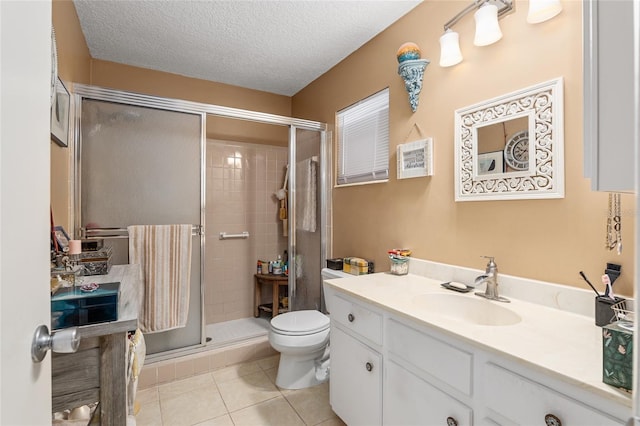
[164, 254]
[307, 194]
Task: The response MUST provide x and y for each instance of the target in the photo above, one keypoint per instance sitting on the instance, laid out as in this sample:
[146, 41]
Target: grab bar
[225, 236]
[115, 233]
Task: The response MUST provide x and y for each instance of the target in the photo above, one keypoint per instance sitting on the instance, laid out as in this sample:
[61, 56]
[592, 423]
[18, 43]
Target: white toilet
[302, 338]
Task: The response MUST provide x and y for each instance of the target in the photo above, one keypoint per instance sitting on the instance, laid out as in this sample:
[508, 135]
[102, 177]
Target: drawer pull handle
[451, 421]
[551, 420]
[350, 317]
[368, 366]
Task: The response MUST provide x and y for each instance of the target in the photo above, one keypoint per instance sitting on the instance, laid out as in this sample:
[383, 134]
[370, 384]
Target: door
[308, 201]
[142, 165]
[25, 55]
[355, 388]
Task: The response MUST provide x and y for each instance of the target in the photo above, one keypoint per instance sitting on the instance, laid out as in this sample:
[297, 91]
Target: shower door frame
[83, 91]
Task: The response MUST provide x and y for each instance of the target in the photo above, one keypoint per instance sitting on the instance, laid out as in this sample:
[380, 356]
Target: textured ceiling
[273, 46]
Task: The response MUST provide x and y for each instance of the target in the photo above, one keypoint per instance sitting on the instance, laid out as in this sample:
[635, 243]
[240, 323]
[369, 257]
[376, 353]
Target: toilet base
[297, 373]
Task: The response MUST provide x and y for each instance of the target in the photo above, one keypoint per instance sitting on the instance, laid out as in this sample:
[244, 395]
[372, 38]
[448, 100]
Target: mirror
[512, 146]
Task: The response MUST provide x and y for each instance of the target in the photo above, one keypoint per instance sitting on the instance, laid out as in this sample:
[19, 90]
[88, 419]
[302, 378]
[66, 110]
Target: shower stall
[147, 160]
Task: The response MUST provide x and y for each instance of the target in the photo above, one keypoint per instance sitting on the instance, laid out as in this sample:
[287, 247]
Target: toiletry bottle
[259, 268]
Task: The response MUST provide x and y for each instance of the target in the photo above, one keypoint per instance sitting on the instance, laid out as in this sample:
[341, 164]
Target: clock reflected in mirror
[516, 151]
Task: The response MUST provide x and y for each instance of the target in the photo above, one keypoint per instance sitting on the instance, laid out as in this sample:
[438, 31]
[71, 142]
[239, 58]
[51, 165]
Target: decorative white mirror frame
[543, 104]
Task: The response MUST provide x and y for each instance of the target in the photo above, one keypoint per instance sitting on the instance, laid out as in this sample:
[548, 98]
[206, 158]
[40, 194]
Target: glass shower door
[308, 225]
[143, 166]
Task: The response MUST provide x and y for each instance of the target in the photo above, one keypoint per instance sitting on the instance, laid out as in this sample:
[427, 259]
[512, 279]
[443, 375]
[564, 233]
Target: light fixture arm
[504, 6]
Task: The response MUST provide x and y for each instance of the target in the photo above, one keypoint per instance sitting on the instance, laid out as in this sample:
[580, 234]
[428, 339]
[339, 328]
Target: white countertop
[556, 342]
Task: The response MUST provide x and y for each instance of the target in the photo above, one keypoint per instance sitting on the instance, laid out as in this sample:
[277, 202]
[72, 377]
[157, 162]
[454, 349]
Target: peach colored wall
[550, 240]
[73, 66]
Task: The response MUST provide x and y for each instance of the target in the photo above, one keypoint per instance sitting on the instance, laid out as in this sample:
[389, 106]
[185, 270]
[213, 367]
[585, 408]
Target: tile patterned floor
[240, 395]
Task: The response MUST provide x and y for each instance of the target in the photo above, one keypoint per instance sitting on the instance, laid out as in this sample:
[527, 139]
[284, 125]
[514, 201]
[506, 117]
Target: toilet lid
[300, 322]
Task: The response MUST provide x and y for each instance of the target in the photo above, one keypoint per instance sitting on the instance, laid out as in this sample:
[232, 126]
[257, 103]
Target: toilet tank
[330, 274]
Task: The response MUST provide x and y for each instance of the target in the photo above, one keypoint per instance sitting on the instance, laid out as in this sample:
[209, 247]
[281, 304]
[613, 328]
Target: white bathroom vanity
[406, 351]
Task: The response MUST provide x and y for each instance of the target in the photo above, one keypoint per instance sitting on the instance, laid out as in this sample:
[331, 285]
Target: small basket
[625, 316]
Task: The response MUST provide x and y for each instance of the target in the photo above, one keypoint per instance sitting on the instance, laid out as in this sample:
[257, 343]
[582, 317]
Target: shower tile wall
[241, 182]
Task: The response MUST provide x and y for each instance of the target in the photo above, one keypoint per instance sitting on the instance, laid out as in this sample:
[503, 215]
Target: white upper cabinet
[609, 158]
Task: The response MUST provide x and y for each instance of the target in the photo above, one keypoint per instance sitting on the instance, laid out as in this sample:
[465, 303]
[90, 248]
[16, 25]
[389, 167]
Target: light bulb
[487, 27]
[450, 49]
[543, 10]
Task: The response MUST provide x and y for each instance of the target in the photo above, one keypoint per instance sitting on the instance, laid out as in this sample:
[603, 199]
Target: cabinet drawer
[358, 318]
[409, 400]
[526, 402]
[435, 357]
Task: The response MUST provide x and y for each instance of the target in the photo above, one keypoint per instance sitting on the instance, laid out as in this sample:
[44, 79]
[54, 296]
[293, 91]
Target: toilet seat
[300, 323]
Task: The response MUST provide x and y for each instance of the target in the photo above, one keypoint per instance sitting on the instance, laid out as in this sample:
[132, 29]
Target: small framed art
[61, 237]
[60, 114]
[490, 162]
[415, 159]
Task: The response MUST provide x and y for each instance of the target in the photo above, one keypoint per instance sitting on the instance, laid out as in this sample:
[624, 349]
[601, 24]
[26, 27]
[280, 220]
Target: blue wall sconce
[411, 69]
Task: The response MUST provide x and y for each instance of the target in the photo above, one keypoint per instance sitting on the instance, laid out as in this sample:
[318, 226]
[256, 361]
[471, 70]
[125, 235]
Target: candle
[75, 246]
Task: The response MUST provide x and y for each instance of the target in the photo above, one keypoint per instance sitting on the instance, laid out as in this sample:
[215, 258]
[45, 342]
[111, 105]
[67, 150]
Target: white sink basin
[470, 309]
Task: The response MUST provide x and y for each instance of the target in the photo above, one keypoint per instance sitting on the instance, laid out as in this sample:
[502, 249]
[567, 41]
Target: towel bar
[225, 236]
[114, 233]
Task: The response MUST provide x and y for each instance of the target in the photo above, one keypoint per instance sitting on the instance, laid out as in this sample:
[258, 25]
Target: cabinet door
[525, 402]
[409, 400]
[355, 388]
[609, 95]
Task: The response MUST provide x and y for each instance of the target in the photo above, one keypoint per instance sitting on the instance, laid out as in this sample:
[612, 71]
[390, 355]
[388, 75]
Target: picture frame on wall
[490, 163]
[60, 114]
[415, 159]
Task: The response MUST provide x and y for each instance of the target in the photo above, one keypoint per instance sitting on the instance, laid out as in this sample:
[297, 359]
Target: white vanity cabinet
[608, 56]
[518, 399]
[423, 377]
[355, 388]
[392, 369]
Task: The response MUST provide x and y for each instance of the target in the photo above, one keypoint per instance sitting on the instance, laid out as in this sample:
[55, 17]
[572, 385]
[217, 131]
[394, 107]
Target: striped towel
[164, 253]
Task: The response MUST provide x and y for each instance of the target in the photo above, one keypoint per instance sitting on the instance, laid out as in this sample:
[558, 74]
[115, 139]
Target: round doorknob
[350, 317]
[368, 366]
[62, 341]
[451, 421]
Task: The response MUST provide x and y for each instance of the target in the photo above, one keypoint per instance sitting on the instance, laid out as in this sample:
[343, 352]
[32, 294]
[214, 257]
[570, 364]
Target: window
[363, 140]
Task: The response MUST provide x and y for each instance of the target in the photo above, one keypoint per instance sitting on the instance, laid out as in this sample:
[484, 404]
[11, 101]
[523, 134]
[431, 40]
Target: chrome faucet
[491, 279]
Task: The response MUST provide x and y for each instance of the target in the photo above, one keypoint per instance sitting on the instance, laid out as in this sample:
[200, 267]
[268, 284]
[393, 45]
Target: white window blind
[363, 140]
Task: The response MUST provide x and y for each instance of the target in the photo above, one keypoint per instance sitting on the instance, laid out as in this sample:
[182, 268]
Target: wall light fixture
[487, 28]
[487, 13]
